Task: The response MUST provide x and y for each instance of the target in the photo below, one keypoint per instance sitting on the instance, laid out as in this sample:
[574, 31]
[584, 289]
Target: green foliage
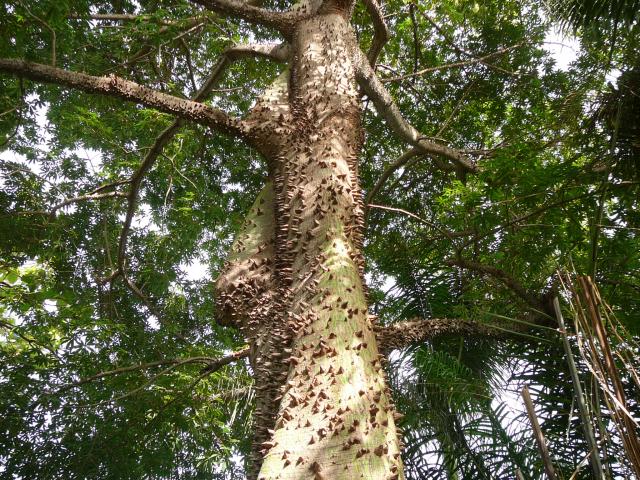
[555, 147]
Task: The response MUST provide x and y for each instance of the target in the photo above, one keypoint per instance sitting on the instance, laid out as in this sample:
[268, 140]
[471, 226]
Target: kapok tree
[293, 282]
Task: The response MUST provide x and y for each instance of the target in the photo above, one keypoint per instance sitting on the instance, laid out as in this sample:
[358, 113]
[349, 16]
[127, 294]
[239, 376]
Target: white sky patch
[196, 270]
[563, 48]
[92, 157]
[153, 323]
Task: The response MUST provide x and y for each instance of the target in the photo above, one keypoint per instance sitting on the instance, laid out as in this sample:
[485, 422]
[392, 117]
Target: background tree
[122, 377]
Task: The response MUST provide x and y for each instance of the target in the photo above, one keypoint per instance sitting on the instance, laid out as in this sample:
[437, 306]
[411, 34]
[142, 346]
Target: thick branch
[381, 31]
[386, 107]
[281, 21]
[125, 89]
[402, 334]
[278, 52]
[417, 330]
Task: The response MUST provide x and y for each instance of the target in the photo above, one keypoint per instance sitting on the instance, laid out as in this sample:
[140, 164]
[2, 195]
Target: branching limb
[381, 31]
[448, 66]
[281, 21]
[417, 330]
[416, 42]
[412, 156]
[117, 87]
[279, 52]
[450, 235]
[109, 186]
[457, 48]
[85, 198]
[211, 364]
[386, 107]
[16, 330]
[275, 51]
[398, 163]
[48, 27]
[514, 285]
[476, 236]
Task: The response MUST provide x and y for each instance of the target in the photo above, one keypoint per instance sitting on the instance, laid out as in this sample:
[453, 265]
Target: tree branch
[480, 235]
[48, 27]
[128, 17]
[402, 334]
[380, 30]
[278, 52]
[398, 163]
[85, 198]
[117, 87]
[211, 365]
[448, 66]
[534, 301]
[450, 235]
[386, 107]
[281, 21]
[457, 48]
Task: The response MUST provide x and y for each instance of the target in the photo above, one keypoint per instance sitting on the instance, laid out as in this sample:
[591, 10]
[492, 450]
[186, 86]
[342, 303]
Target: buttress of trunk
[331, 415]
[245, 293]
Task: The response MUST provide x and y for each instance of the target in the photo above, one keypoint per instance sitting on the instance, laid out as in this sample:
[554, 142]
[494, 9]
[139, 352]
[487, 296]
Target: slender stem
[449, 66]
[594, 458]
[539, 436]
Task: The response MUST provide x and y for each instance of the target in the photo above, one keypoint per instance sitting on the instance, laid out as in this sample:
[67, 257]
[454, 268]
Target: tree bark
[294, 280]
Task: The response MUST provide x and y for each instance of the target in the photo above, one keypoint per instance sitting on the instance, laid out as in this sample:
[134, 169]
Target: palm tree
[577, 14]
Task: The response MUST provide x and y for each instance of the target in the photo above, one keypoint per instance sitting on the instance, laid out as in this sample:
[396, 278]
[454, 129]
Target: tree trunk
[294, 280]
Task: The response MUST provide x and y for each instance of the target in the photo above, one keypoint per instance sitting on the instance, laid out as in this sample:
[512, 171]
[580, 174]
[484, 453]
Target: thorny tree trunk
[294, 282]
[294, 279]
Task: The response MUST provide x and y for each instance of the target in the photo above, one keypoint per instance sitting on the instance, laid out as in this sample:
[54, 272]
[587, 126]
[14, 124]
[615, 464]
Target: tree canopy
[108, 333]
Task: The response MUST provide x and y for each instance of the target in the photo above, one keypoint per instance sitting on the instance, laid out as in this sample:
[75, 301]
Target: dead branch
[211, 364]
[446, 233]
[398, 163]
[85, 198]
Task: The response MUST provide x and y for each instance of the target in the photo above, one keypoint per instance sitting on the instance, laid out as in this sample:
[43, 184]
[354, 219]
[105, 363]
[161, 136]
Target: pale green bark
[322, 395]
